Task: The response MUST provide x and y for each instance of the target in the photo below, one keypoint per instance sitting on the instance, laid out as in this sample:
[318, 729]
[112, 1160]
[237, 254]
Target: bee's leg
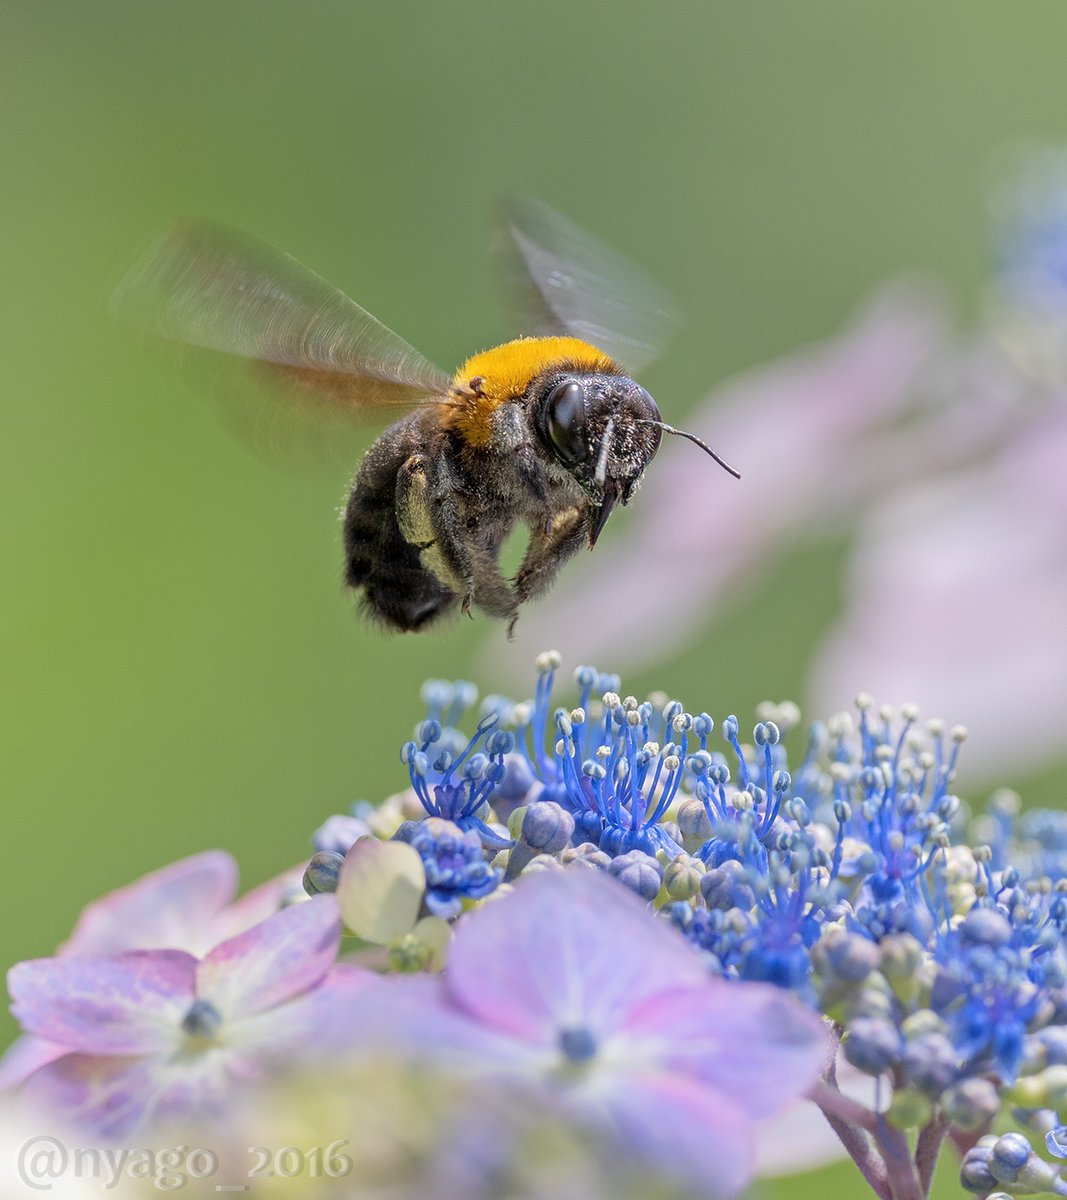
[430, 521]
[483, 584]
[550, 547]
[529, 469]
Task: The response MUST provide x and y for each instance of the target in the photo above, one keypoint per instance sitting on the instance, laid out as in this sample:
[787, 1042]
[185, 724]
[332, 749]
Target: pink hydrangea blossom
[573, 990]
[957, 593]
[186, 905]
[153, 1034]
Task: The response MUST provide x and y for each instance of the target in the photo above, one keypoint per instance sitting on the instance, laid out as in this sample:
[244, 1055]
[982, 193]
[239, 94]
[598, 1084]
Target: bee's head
[604, 430]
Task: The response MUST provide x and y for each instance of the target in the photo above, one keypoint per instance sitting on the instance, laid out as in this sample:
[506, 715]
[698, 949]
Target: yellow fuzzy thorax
[489, 379]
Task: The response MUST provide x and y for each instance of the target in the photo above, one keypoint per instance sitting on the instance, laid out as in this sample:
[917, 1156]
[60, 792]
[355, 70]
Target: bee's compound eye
[650, 410]
[564, 423]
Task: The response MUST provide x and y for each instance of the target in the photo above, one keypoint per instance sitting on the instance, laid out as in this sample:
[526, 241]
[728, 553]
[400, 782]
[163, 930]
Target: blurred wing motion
[561, 279]
[219, 289]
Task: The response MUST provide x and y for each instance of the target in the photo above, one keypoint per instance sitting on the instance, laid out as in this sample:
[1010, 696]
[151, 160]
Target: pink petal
[24, 1056]
[755, 1043]
[171, 908]
[679, 1129]
[413, 1017]
[257, 905]
[273, 961]
[116, 1096]
[319, 1022]
[565, 950]
[131, 1004]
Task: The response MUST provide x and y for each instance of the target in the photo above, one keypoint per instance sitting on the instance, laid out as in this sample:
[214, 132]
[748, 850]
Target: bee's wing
[563, 280]
[219, 289]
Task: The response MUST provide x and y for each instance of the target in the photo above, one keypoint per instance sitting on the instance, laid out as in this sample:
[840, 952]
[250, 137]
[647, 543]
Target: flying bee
[548, 430]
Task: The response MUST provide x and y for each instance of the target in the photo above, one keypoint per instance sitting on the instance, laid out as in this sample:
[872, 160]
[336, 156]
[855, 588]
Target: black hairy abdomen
[398, 590]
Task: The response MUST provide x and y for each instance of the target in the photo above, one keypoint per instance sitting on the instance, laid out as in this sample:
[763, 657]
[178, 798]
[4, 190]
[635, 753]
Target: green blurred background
[180, 667]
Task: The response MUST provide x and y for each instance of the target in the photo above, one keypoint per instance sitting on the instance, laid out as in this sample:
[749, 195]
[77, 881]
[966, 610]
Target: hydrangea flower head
[629, 918]
[850, 880]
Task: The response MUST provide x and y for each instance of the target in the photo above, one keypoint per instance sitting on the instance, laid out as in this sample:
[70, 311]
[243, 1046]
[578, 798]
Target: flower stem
[830, 1100]
[903, 1178]
[860, 1148]
[928, 1148]
[854, 1125]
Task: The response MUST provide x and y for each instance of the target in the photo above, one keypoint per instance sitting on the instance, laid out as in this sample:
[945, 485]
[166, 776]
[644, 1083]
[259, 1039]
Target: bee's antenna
[693, 438]
[605, 442]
